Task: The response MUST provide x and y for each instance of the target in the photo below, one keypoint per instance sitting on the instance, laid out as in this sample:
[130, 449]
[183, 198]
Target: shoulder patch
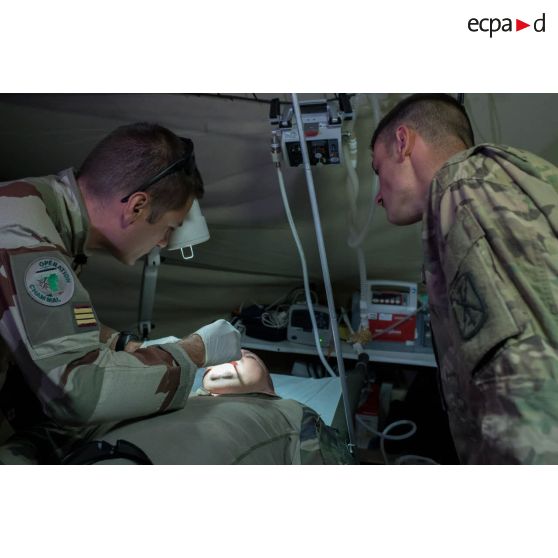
[468, 307]
[49, 281]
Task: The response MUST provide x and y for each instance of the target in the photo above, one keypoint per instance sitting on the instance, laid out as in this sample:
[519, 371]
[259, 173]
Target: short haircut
[438, 118]
[133, 154]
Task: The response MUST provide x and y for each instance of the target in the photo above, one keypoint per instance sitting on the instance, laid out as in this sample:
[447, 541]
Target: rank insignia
[84, 316]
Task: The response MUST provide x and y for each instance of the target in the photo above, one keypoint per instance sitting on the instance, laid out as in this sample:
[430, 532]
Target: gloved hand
[221, 341]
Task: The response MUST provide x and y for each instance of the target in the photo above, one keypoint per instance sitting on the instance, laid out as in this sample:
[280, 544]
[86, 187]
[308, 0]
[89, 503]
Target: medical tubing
[357, 238]
[304, 271]
[364, 291]
[385, 436]
[325, 269]
[356, 346]
[352, 182]
[352, 193]
[275, 152]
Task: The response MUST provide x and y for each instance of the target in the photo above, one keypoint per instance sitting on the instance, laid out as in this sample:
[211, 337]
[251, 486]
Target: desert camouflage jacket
[51, 356]
[491, 267]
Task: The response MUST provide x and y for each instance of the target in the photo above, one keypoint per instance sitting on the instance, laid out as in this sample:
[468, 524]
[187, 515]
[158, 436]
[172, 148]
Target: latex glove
[221, 341]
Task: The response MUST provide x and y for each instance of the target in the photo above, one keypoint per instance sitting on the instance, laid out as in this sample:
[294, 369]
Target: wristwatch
[123, 338]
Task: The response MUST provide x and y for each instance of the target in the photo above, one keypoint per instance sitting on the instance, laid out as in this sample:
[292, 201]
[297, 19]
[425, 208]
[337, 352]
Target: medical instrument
[319, 122]
[392, 310]
[299, 329]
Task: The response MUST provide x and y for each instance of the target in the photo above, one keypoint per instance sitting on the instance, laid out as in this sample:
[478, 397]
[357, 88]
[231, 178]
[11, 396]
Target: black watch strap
[123, 338]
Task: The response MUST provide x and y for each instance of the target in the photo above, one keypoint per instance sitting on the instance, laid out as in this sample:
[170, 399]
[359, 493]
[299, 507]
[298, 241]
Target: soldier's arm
[53, 334]
[500, 273]
[108, 336]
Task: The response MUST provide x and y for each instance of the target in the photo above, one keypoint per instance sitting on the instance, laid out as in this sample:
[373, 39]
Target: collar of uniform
[77, 212]
[486, 148]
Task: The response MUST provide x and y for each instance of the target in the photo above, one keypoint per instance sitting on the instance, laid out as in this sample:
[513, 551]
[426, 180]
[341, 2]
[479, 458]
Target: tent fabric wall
[251, 255]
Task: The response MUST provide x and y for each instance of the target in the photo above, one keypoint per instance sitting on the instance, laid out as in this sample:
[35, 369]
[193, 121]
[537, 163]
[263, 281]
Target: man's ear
[136, 207]
[405, 142]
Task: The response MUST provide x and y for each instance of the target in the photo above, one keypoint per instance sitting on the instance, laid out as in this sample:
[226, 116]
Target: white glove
[221, 341]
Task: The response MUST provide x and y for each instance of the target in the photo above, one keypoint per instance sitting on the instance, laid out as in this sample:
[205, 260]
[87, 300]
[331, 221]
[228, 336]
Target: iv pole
[325, 269]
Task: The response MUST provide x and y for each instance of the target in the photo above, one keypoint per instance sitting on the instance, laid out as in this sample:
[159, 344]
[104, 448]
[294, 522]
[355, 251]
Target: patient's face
[247, 375]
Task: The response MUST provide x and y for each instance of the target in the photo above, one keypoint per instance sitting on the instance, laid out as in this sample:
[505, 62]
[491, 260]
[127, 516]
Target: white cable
[356, 238]
[276, 319]
[324, 266]
[385, 436]
[364, 291]
[304, 271]
[352, 184]
[347, 321]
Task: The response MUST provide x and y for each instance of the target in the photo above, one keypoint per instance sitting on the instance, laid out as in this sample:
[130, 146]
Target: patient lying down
[247, 375]
[245, 423]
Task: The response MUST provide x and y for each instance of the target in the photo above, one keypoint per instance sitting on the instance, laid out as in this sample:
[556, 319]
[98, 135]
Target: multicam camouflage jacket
[54, 371]
[490, 237]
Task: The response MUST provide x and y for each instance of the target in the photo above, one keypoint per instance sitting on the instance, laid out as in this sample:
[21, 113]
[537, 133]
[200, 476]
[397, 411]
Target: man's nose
[379, 200]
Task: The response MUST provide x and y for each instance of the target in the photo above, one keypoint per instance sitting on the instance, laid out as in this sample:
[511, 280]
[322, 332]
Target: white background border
[164, 46]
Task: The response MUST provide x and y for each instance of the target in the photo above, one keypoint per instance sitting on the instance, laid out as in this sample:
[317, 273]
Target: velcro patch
[44, 281]
[49, 281]
[84, 315]
[468, 307]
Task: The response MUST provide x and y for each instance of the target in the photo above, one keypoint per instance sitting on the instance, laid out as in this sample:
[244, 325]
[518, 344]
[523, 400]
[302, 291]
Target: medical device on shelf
[299, 329]
[392, 310]
[321, 123]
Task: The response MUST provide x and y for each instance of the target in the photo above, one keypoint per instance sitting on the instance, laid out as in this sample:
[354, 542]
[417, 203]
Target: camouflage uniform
[234, 429]
[58, 382]
[491, 267]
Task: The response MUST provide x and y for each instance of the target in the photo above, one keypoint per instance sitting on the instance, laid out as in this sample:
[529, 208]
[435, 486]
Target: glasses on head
[187, 163]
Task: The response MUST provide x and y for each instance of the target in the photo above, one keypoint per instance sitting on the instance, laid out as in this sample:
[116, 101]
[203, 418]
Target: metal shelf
[376, 355]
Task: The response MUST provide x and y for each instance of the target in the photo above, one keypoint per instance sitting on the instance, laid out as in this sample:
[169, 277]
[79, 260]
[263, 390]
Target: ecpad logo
[495, 24]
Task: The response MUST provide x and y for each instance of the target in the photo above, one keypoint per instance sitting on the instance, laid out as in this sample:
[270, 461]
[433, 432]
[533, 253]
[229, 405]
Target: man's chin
[402, 221]
[394, 220]
[126, 259]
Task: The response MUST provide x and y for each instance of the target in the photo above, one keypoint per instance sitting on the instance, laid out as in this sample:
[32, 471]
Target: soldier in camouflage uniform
[61, 379]
[244, 423]
[490, 226]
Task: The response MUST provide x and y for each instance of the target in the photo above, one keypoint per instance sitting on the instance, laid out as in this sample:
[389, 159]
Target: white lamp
[193, 230]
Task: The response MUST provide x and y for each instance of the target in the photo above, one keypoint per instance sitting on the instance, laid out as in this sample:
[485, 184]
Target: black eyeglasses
[187, 163]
